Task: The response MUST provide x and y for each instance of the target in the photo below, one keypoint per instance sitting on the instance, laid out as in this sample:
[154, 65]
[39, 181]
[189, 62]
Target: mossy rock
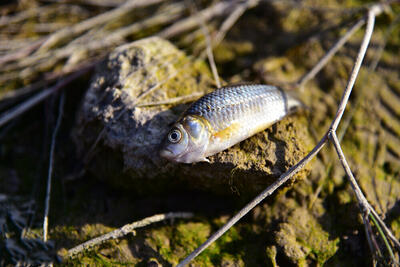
[126, 134]
[302, 237]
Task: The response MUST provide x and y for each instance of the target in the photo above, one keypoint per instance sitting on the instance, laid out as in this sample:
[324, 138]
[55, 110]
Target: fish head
[187, 140]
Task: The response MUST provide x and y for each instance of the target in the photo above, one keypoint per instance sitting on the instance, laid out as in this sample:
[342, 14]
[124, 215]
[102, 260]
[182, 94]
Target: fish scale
[236, 103]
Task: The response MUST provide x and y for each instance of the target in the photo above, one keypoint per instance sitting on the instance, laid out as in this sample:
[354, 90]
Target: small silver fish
[224, 118]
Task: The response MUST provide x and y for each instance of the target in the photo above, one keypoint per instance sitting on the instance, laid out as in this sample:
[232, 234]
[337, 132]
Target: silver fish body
[224, 118]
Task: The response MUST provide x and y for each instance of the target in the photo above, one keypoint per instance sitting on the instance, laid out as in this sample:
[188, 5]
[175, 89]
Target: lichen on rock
[127, 109]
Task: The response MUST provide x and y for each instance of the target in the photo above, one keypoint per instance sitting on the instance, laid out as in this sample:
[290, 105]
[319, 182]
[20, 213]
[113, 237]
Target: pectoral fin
[227, 133]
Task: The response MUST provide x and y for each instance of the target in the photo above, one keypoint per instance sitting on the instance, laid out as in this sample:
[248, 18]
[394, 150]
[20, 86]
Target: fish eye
[174, 136]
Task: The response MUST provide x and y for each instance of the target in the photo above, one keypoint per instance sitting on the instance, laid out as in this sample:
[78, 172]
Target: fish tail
[291, 102]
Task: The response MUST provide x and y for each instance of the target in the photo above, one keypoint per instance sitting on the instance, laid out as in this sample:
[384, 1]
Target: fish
[223, 118]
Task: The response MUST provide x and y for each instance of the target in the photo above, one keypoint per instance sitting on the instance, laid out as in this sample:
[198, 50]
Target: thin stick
[231, 20]
[23, 52]
[183, 25]
[332, 51]
[78, 28]
[359, 194]
[345, 97]
[389, 248]
[386, 37]
[126, 229]
[373, 245]
[13, 96]
[210, 55]
[25, 106]
[50, 172]
[267, 192]
[373, 11]
[23, 15]
[385, 228]
[174, 100]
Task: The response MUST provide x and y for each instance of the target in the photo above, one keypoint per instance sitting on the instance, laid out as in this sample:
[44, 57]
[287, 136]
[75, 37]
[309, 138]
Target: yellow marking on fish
[226, 133]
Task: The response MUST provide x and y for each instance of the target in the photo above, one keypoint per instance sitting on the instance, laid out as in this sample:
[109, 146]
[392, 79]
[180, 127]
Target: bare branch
[385, 228]
[218, 9]
[23, 52]
[126, 229]
[373, 11]
[231, 20]
[386, 37]
[267, 192]
[78, 28]
[50, 170]
[332, 51]
[174, 100]
[360, 196]
[13, 96]
[210, 55]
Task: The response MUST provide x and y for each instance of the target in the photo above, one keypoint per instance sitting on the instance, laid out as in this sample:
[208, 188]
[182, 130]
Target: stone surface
[116, 113]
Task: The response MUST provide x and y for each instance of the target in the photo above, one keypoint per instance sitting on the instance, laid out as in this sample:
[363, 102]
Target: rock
[120, 133]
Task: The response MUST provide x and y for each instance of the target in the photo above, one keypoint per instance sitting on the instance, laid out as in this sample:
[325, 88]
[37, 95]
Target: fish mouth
[166, 153]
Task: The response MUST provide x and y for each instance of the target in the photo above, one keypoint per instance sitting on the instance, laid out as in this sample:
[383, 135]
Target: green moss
[302, 237]
[230, 50]
[175, 243]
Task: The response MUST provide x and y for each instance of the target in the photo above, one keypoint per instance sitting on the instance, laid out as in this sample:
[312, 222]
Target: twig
[385, 228]
[360, 196]
[389, 248]
[93, 41]
[13, 96]
[332, 51]
[174, 100]
[267, 192]
[126, 229]
[25, 106]
[102, 3]
[173, 12]
[50, 171]
[231, 20]
[7, 20]
[14, 44]
[183, 25]
[78, 28]
[211, 57]
[23, 52]
[386, 37]
[363, 202]
[365, 207]
[373, 11]
[373, 245]
[207, 38]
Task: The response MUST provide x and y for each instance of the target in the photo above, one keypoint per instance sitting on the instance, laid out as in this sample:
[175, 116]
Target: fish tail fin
[294, 103]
